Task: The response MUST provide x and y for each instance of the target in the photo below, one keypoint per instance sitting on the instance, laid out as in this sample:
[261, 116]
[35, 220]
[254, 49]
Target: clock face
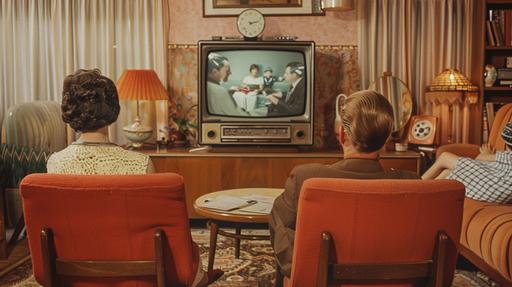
[250, 23]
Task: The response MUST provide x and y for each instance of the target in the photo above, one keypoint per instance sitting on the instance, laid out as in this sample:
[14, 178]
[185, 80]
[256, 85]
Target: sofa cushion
[487, 232]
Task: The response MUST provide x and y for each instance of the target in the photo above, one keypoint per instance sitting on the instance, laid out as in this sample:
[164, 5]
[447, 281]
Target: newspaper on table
[253, 203]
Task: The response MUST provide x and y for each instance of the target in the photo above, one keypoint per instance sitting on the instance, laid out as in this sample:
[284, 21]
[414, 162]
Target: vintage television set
[256, 93]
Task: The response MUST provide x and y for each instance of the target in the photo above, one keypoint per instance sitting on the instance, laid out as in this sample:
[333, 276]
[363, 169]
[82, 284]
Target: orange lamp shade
[141, 85]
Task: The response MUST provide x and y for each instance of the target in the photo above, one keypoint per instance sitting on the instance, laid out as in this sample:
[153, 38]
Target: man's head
[294, 71]
[218, 68]
[506, 134]
[367, 121]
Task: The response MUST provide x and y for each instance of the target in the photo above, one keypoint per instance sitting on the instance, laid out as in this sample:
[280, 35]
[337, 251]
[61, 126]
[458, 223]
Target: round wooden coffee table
[236, 217]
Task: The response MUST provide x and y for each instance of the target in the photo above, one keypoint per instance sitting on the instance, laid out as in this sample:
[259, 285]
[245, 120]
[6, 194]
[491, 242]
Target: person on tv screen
[366, 124]
[292, 102]
[220, 102]
[253, 80]
[269, 79]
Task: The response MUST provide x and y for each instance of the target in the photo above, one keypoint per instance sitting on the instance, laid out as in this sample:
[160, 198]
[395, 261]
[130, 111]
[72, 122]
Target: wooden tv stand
[206, 172]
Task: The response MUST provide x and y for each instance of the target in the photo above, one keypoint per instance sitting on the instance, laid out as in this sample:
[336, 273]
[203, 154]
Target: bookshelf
[488, 52]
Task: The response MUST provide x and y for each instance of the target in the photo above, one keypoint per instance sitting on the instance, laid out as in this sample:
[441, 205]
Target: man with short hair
[220, 102]
[292, 102]
[366, 123]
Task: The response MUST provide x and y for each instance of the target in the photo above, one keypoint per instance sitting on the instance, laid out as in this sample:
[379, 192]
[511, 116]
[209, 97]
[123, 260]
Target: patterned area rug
[254, 268]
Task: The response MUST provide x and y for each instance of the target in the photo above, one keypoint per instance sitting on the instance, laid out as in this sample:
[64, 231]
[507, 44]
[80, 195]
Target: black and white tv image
[256, 83]
[256, 93]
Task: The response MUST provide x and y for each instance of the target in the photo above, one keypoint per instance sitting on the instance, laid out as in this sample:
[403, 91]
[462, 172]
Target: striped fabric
[35, 124]
[16, 162]
[486, 231]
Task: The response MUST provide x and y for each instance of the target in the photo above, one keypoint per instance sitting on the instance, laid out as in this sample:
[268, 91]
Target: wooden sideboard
[207, 172]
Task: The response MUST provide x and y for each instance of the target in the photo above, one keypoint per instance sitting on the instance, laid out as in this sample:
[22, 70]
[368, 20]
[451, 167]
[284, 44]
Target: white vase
[490, 75]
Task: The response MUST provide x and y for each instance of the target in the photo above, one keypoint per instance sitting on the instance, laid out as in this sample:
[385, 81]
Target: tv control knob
[300, 134]
[211, 134]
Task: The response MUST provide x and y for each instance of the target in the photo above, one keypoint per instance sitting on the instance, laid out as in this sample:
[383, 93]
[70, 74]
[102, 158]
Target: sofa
[486, 236]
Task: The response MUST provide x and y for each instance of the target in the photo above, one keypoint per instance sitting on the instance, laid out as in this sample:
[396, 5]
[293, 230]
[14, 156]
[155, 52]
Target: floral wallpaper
[336, 71]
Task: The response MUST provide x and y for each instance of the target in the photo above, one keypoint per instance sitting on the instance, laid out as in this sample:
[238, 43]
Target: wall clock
[250, 24]
[422, 130]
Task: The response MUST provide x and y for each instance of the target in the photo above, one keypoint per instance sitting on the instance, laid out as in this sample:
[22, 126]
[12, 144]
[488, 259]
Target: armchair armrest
[466, 150]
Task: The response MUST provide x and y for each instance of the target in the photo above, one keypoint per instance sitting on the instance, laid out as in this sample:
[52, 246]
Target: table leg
[238, 230]
[214, 229]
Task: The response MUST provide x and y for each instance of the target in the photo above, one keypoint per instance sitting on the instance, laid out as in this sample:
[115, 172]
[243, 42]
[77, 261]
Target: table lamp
[453, 98]
[452, 80]
[140, 85]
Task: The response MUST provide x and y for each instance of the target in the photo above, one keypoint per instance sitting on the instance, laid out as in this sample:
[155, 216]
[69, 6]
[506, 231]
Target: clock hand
[253, 22]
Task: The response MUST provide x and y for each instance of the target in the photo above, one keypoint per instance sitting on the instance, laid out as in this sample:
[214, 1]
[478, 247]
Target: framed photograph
[214, 8]
[422, 130]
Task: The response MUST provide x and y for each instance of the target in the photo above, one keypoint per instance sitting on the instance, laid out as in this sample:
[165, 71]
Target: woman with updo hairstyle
[89, 105]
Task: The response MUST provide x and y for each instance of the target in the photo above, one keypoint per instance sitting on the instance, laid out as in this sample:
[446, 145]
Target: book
[497, 38]
[490, 36]
[508, 27]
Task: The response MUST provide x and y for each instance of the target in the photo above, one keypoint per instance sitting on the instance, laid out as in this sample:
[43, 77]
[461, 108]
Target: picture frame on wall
[217, 8]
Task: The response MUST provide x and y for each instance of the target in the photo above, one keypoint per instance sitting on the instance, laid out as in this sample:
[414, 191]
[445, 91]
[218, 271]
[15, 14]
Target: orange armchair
[377, 222]
[503, 116]
[108, 218]
[486, 236]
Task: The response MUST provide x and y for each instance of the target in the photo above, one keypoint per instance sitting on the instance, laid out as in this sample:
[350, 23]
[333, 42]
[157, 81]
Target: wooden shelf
[500, 48]
[498, 89]
[497, 98]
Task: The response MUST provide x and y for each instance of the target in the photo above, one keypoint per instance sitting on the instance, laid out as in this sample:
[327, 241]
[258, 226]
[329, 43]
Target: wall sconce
[337, 5]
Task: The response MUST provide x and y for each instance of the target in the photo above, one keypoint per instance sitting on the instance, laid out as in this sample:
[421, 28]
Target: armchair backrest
[377, 221]
[503, 116]
[110, 218]
[36, 124]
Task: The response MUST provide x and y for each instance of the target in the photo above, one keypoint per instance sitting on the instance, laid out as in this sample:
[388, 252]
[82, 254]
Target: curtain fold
[43, 41]
[414, 40]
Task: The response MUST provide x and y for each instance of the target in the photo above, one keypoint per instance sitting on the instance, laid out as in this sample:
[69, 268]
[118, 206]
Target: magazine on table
[248, 203]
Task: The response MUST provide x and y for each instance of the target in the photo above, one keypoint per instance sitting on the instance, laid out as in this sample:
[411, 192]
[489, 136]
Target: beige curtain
[43, 41]
[414, 40]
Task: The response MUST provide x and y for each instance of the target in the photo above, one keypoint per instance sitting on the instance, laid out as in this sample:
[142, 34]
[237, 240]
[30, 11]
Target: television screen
[260, 83]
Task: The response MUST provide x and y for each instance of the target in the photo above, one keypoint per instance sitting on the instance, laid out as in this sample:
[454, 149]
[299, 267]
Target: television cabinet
[208, 172]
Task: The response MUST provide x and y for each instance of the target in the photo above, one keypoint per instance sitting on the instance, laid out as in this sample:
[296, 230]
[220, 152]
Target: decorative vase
[490, 75]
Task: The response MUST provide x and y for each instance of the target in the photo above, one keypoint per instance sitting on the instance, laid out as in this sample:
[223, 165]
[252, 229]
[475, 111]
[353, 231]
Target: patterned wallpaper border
[337, 71]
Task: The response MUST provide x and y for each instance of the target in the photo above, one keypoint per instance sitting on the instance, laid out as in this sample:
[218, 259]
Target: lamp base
[137, 133]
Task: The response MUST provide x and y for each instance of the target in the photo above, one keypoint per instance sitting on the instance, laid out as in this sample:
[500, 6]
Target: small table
[236, 216]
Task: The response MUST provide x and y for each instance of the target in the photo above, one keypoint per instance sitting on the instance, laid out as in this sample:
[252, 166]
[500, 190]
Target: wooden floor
[17, 256]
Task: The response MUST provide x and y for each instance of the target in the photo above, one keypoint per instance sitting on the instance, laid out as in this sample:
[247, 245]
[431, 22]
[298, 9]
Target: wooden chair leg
[48, 254]
[279, 276]
[439, 260]
[323, 260]
[160, 238]
[214, 230]
[238, 231]
[20, 224]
